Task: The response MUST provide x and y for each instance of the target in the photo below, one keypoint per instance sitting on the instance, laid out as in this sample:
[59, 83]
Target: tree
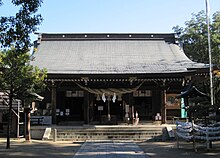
[16, 30]
[18, 78]
[194, 40]
[194, 37]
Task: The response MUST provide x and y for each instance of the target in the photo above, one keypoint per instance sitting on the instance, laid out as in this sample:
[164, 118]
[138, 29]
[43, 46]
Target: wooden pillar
[109, 112]
[86, 107]
[130, 99]
[130, 103]
[163, 102]
[131, 109]
[163, 106]
[54, 103]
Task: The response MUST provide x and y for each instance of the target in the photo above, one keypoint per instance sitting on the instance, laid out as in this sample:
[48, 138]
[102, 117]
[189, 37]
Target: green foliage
[15, 30]
[195, 40]
[202, 110]
[18, 76]
[216, 89]
[215, 38]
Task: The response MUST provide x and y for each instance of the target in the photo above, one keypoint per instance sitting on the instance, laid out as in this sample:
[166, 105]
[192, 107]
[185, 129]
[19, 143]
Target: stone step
[105, 134]
[84, 138]
[111, 129]
[85, 132]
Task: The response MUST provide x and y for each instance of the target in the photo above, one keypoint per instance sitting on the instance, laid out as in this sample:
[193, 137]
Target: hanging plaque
[100, 108]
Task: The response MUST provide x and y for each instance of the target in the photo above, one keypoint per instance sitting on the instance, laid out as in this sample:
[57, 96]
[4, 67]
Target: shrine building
[99, 78]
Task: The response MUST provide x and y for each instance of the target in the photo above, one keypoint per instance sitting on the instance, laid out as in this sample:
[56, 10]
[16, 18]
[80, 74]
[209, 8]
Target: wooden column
[130, 99]
[163, 107]
[108, 106]
[54, 102]
[86, 107]
[163, 103]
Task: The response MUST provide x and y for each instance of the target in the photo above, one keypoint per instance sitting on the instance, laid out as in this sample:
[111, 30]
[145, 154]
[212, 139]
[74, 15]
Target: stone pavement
[67, 149]
[110, 149]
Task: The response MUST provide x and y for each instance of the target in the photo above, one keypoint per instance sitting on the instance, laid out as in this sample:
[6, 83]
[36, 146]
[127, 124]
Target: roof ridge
[168, 37]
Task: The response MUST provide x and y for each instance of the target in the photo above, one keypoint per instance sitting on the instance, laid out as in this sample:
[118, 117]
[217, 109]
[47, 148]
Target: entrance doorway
[74, 108]
[116, 109]
[102, 109]
[143, 105]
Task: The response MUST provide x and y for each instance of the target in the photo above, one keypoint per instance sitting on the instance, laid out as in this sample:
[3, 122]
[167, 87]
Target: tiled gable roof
[111, 56]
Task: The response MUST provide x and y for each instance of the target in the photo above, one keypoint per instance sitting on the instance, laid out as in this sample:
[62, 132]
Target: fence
[197, 133]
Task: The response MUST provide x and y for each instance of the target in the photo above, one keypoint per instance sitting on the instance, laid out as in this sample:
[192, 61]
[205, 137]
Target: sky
[114, 16]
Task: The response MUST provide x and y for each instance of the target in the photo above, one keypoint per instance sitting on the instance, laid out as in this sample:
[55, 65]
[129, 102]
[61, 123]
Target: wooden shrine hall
[112, 78]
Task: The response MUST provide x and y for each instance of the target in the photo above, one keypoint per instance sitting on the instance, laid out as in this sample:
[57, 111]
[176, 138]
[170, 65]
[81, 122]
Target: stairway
[136, 133]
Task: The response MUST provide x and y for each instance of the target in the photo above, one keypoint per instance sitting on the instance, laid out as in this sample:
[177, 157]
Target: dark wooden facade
[70, 102]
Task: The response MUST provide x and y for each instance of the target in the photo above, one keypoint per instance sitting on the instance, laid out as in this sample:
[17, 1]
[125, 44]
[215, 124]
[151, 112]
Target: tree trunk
[27, 124]
[9, 121]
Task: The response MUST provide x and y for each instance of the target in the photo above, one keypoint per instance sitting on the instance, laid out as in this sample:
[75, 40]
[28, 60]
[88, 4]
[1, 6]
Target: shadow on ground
[36, 148]
[169, 149]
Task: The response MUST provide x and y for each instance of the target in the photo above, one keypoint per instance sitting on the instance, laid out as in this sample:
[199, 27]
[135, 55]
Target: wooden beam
[54, 102]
